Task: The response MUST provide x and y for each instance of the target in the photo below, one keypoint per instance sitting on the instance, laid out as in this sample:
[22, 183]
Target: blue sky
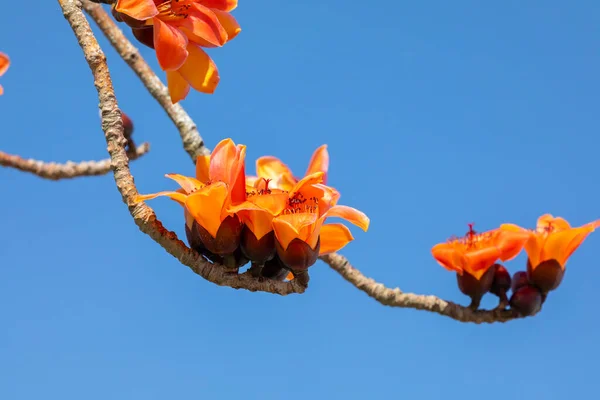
[436, 114]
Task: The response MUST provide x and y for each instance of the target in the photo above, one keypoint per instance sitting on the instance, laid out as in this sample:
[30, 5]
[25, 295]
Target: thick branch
[192, 141]
[397, 298]
[143, 215]
[68, 170]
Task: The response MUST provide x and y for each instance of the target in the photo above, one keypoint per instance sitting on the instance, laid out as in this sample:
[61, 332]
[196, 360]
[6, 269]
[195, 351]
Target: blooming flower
[4, 64]
[177, 29]
[549, 247]
[299, 230]
[280, 175]
[219, 184]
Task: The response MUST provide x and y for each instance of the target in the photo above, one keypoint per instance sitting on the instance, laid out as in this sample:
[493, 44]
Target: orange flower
[553, 239]
[4, 64]
[177, 29]
[477, 252]
[549, 247]
[281, 176]
[219, 184]
[299, 230]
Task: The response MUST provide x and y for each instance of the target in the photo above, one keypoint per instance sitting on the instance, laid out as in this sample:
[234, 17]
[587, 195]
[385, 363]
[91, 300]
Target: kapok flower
[473, 255]
[549, 247]
[280, 175]
[299, 230]
[177, 29]
[4, 64]
[219, 184]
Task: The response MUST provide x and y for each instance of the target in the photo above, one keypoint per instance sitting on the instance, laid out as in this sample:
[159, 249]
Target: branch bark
[144, 216]
[192, 141]
[397, 298]
[69, 170]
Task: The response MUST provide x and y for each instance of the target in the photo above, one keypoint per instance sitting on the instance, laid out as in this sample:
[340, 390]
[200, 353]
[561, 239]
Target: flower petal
[288, 227]
[480, 260]
[202, 26]
[448, 257]
[203, 168]
[225, 5]
[303, 183]
[4, 63]
[319, 162]
[199, 70]
[561, 245]
[222, 159]
[350, 214]
[510, 243]
[206, 206]
[334, 237]
[229, 24]
[177, 196]
[178, 87]
[273, 168]
[138, 9]
[170, 44]
[188, 184]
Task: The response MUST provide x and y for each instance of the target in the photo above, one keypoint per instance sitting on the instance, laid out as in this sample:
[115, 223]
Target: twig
[192, 141]
[397, 298]
[55, 171]
[144, 216]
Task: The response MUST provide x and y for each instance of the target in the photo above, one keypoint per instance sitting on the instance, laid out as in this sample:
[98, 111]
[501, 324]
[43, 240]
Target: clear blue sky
[436, 114]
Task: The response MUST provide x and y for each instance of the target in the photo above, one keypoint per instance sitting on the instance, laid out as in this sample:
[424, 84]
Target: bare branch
[397, 298]
[55, 171]
[192, 141]
[144, 216]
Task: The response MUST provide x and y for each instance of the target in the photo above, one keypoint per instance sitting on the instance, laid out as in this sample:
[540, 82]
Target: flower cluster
[474, 258]
[177, 30]
[273, 219]
[4, 64]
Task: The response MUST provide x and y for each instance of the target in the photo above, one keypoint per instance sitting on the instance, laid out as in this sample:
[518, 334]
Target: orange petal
[203, 168]
[222, 159]
[178, 87]
[481, 259]
[177, 196]
[206, 206]
[350, 214]
[224, 5]
[319, 162]
[303, 183]
[4, 63]
[138, 9]
[199, 70]
[1, 90]
[170, 44]
[229, 23]
[188, 184]
[202, 26]
[270, 167]
[287, 227]
[510, 243]
[259, 221]
[448, 257]
[561, 245]
[274, 203]
[557, 223]
[237, 186]
[334, 237]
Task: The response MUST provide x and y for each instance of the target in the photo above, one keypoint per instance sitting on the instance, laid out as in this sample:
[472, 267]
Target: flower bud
[258, 251]
[144, 35]
[227, 239]
[298, 255]
[127, 124]
[527, 300]
[547, 275]
[195, 242]
[501, 282]
[519, 280]
[473, 287]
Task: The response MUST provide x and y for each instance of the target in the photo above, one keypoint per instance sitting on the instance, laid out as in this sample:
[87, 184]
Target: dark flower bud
[501, 282]
[274, 269]
[519, 279]
[527, 300]
[473, 287]
[144, 35]
[228, 236]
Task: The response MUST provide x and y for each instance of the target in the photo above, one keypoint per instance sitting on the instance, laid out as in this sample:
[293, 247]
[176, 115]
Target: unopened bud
[527, 300]
[473, 287]
[258, 251]
[274, 269]
[501, 282]
[519, 280]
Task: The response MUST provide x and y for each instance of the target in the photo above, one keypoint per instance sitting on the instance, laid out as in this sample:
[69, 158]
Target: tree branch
[192, 141]
[144, 216]
[68, 170]
[397, 298]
